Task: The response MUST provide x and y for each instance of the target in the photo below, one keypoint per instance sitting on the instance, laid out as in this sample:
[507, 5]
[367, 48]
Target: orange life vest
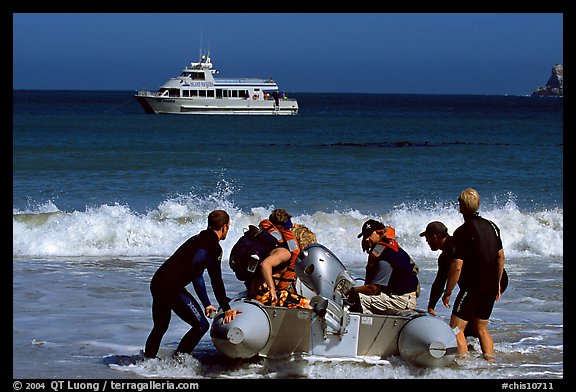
[387, 241]
[286, 277]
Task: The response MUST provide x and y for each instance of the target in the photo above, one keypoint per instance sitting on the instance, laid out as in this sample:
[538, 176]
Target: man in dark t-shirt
[477, 267]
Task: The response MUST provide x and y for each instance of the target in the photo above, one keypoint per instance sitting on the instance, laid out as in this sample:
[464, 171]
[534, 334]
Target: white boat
[330, 329]
[197, 91]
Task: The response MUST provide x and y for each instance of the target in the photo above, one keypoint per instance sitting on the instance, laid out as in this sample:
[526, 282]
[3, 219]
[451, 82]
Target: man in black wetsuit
[437, 237]
[168, 286]
[478, 267]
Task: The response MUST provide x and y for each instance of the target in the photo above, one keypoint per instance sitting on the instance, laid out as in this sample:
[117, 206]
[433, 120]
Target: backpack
[249, 251]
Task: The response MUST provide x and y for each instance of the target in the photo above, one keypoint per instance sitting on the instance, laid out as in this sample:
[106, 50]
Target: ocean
[102, 194]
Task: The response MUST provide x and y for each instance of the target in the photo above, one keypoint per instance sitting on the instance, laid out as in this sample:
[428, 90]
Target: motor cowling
[322, 272]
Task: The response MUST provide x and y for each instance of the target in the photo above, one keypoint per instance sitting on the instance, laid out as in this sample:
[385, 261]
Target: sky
[388, 53]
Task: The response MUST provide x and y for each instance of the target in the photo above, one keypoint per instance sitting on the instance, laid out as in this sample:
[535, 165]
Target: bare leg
[486, 342]
[275, 258]
[456, 321]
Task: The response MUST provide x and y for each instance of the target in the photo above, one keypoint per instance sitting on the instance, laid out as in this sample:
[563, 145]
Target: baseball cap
[369, 226]
[435, 228]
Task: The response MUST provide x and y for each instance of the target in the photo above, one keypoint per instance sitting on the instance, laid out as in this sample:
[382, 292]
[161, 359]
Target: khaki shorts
[379, 303]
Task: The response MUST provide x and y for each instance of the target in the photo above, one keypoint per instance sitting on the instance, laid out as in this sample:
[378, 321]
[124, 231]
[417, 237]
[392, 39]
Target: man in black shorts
[477, 267]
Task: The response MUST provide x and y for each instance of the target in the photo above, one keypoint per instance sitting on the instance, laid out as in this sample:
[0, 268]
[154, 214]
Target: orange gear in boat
[286, 299]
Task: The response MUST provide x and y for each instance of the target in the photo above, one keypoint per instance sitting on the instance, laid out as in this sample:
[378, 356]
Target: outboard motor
[325, 275]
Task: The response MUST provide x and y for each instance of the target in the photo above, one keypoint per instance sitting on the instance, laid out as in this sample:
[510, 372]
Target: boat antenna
[200, 48]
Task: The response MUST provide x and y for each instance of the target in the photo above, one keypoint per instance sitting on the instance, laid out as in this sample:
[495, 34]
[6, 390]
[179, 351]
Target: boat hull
[175, 105]
[279, 332]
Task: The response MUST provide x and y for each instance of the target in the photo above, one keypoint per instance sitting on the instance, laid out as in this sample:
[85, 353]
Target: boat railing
[144, 93]
[244, 80]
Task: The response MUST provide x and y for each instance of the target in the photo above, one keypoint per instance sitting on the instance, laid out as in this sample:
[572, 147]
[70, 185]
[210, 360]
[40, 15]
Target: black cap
[435, 228]
[369, 226]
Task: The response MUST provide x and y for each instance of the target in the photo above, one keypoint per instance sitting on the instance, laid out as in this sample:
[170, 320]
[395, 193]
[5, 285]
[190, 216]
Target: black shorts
[469, 305]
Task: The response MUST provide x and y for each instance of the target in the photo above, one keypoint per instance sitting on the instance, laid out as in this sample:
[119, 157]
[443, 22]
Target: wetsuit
[477, 242]
[168, 287]
[439, 283]
[444, 261]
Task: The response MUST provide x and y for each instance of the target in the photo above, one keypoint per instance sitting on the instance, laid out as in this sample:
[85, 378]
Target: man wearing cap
[437, 237]
[391, 275]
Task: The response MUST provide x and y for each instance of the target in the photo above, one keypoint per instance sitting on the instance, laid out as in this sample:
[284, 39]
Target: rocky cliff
[554, 86]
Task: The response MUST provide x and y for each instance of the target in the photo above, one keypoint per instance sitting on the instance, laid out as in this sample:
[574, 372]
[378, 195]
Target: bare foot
[462, 355]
